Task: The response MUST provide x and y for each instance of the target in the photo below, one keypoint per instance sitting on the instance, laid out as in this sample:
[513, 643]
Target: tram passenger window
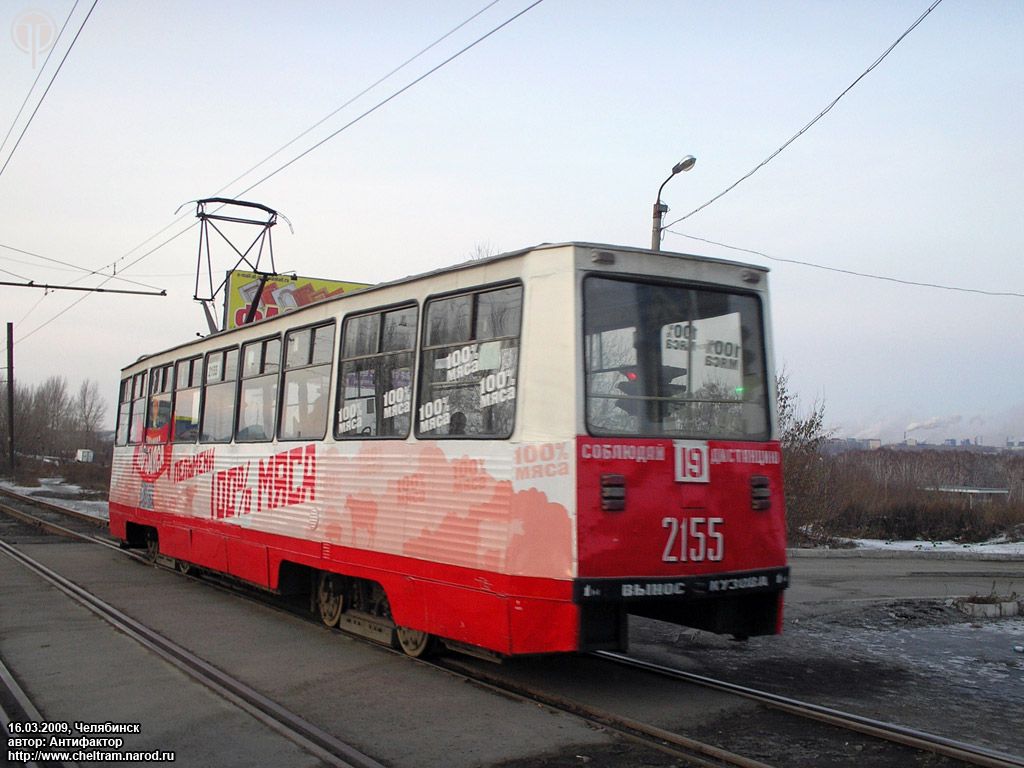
[138, 409]
[450, 320]
[219, 396]
[297, 348]
[185, 424]
[124, 411]
[497, 313]
[469, 364]
[375, 377]
[361, 335]
[306, 383]
[323, 344]
[158, 420]
[257, 408]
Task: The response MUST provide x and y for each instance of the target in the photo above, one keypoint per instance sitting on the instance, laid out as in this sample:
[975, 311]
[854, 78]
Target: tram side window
[158, 420]
[257, 408]
[219, 396]
[137, 410]
[306, 383]
[124, 411]
[470, 359]
[187, 380]
[375, 376]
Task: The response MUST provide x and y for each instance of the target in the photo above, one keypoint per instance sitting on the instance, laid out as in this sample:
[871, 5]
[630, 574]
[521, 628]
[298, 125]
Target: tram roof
[473, 263]
[469, 264]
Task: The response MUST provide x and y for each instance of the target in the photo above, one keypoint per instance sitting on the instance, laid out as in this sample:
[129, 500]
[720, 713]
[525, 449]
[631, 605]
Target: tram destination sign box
[281, 293]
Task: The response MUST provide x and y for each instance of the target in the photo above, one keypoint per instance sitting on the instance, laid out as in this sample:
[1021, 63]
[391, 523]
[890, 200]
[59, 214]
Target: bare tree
[483, 250]
[89, 407]
[52, 408]
[88, 410]
[50, 422]
[803, 434]
[807, 478]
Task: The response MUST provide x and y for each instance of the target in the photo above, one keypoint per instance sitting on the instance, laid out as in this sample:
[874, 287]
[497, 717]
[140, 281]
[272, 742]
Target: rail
[898, 734]
[318, 742]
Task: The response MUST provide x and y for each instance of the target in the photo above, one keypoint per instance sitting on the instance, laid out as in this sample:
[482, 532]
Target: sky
[560, 126]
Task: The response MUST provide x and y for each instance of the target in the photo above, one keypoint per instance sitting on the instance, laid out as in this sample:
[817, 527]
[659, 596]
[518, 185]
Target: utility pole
[10, 396]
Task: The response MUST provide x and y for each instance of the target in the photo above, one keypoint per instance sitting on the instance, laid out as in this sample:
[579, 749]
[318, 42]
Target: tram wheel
[330, 598]
[414, 643]
[183, 566]
[152, 546]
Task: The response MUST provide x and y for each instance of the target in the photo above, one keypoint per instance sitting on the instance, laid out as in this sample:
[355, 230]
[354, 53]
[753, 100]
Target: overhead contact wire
[393, 96]
[803, 130]
[39, 74]
[320, 143]
[853, 272]
[273, 154]
[48, 85]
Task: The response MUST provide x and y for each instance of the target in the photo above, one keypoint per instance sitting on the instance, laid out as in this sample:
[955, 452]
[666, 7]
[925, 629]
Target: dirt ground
[920, 663]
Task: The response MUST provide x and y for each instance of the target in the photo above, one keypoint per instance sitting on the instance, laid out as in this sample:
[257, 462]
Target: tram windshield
[675, 360]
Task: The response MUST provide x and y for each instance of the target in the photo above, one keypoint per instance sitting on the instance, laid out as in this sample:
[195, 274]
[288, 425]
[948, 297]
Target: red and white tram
[512, 454]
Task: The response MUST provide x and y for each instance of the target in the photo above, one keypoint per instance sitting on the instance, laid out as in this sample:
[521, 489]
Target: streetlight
[660, 209]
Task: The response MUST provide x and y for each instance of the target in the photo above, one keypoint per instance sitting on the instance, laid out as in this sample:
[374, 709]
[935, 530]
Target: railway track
[325, 747]
[959, 753]
[17, 707]
[898, 734]
[39, 512]
[688, 750]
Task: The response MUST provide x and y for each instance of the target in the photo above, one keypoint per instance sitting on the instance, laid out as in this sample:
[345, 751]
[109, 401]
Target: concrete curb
[1002, 609]
[902, 554]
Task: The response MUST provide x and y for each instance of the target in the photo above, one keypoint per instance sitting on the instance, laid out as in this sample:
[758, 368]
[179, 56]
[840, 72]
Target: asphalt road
[821, 582]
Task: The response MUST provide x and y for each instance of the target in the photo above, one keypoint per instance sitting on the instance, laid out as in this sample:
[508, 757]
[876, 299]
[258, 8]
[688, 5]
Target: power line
[38, 75]
[280, 149]
[88, 272]
[394, 95]
[41, 98]
[13, 274]
[34, 264]
[803, 130]
[64, 311]
[852, 272]
[32, 309]
[342, 128]
[298, 157]
[78, 301]
[362, 93]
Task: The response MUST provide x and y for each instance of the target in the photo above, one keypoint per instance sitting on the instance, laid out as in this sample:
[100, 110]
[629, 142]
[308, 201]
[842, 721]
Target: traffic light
[630, 385]
[673, 381]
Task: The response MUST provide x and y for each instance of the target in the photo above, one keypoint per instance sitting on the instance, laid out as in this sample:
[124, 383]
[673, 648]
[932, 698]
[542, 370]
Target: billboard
[281, 293]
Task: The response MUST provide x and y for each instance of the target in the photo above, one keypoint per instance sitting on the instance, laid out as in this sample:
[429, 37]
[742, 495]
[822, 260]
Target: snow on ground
[50, 487]
[997, 546]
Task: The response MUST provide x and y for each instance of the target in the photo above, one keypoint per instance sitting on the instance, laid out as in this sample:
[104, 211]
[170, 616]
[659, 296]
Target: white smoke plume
[933, 423]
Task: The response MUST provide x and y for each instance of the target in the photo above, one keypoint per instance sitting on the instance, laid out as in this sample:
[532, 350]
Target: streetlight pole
[659, 207]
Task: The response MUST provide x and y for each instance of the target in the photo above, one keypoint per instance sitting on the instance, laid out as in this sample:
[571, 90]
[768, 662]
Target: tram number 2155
[693, 539]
